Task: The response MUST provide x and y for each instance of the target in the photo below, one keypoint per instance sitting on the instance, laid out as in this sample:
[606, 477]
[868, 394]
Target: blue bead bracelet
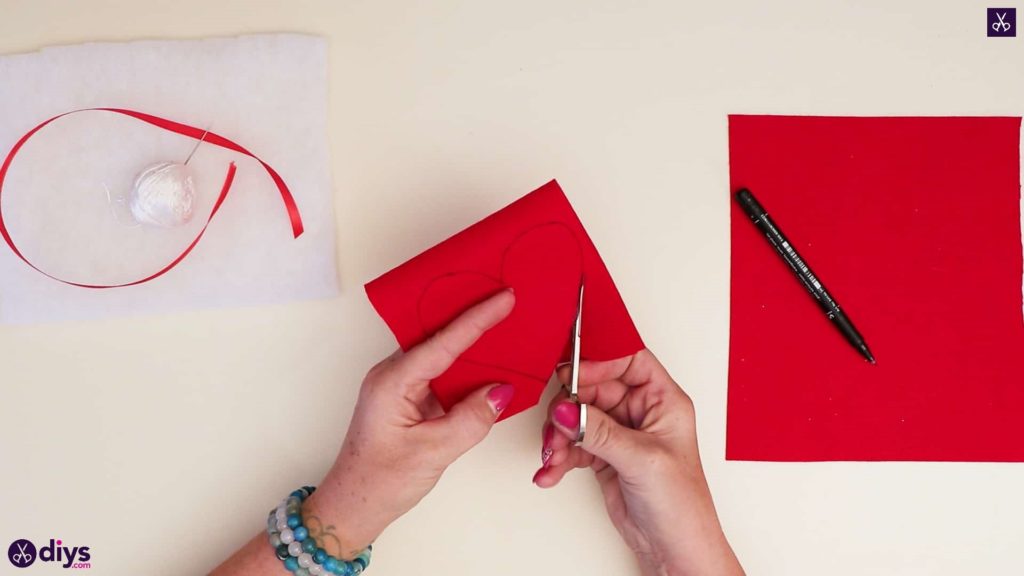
[297, 548]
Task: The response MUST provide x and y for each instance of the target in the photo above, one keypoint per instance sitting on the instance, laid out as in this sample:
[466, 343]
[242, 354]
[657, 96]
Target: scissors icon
[1002, 24]
[22, 557]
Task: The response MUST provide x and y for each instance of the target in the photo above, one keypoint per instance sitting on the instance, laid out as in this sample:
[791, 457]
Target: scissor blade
[574, 382]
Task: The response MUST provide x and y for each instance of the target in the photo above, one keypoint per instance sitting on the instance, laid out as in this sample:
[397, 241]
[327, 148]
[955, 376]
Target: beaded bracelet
[296, 547]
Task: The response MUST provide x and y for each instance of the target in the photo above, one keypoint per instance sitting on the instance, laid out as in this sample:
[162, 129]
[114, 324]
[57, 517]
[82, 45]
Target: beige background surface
[161, 441]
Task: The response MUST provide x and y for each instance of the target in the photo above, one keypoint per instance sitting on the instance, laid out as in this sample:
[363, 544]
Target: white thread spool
[163, 195]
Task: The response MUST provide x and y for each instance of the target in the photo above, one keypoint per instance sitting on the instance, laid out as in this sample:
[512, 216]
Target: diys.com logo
[23, 553]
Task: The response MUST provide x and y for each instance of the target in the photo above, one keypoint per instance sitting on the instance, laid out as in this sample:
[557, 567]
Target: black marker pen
[811, 282]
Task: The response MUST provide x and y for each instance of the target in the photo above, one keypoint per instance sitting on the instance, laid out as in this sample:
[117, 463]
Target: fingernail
[546, 451]
[567, 415]
[500, 396]
[510, 289]
[537, 476]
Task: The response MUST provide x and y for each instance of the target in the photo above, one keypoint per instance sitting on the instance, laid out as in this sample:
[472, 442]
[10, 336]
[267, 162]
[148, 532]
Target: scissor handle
[582, 432]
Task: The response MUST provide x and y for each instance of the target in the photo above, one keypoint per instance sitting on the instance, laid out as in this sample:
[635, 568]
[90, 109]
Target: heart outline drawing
[544, 265]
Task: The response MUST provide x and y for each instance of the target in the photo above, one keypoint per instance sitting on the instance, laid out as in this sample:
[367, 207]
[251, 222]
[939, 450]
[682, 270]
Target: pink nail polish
[499, 397]
[546, 450]
[537, 475]
[567, 414]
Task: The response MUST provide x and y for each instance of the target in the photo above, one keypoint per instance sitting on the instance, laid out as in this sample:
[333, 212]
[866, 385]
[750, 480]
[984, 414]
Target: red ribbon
[184, 130]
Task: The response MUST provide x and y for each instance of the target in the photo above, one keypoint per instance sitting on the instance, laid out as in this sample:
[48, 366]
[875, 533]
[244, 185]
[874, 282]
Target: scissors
[574, 379]
[1001, 24]
[23, 557]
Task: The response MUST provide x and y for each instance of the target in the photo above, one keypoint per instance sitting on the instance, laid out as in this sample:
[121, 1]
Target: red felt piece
[914, 226]
[536, 245]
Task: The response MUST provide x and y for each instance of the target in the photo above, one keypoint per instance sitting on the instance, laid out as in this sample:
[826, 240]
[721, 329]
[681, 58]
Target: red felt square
[914, 226]
[536, 245]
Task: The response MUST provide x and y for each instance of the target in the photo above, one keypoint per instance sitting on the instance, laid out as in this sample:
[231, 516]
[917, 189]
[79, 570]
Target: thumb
[469, 421]
[603, 437]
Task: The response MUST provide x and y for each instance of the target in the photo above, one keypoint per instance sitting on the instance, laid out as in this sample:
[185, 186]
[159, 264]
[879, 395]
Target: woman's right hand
[641, 442]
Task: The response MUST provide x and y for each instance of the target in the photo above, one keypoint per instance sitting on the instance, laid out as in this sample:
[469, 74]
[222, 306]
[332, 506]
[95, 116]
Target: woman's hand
[400, 440]
[398, 443]
[641, 442]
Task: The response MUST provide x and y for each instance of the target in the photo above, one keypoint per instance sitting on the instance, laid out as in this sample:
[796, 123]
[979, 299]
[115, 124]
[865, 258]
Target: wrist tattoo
[327, 538]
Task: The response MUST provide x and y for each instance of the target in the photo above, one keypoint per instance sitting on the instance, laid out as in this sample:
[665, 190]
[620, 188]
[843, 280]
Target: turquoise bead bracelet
[297, 548]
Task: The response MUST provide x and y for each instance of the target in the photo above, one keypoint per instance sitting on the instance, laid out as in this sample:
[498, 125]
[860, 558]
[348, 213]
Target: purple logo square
[1002, 22]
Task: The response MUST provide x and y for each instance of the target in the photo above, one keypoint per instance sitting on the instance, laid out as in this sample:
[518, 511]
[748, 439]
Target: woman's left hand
[400, 441]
